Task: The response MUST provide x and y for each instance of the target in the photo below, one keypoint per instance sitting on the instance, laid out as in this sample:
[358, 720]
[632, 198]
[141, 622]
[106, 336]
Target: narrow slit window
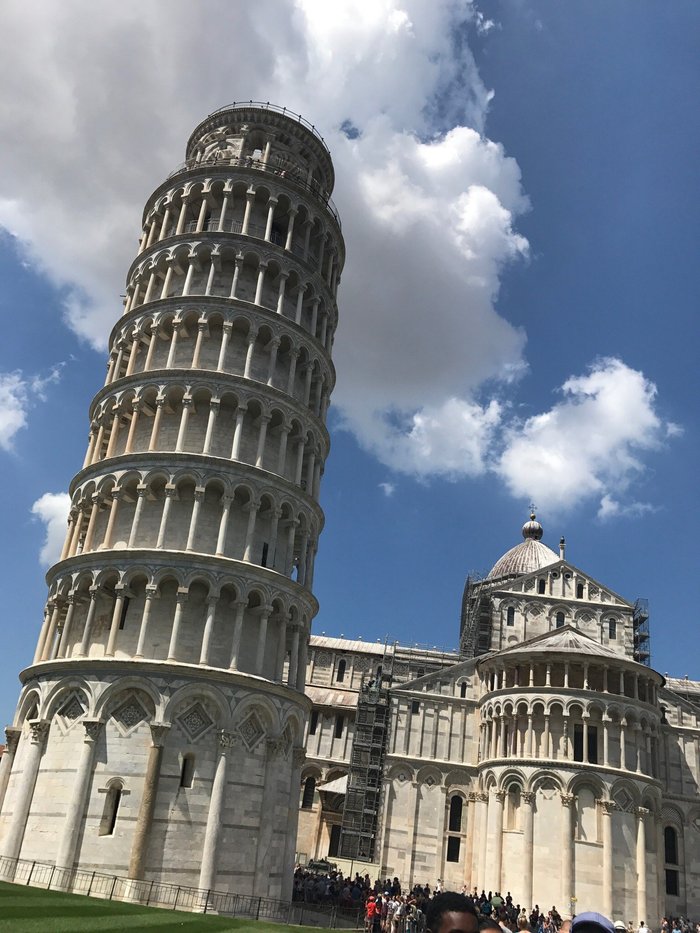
[453, 846]
[463, 689]
[113, 799]
[455, 822]
[263, 557]
[560, 620]
[541, 586]
[339, 724]
[307, 800]
[510, 616]
[579, 591]
[340, 671]
[313, 722]
[187, 771]
[125, 609]
[612, 629]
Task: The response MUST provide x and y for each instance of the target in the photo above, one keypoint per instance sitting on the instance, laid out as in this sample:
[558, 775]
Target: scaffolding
[360, 824]
[640, 632]
[475, 623]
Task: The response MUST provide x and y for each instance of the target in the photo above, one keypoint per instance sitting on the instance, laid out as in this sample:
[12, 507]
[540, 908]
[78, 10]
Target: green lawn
[26, 910]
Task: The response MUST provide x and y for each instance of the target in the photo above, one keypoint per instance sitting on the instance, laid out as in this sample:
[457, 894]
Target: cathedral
[547, 758]
[179, 723]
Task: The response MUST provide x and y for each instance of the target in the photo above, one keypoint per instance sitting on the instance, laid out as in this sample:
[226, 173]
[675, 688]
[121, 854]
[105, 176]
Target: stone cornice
[167, 670]
[554, 765]
[606, 699]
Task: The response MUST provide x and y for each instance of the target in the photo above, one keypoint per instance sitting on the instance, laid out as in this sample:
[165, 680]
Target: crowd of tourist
[387, 908]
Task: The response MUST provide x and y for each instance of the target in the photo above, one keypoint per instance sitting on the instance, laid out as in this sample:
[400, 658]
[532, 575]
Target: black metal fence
[176, 896]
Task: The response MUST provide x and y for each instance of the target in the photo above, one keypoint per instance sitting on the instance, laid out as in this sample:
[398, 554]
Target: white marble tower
[159, 729]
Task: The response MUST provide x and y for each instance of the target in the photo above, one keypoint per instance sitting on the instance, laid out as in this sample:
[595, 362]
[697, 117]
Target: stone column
[298, 759]
[116, 619]
[262, 640]
[202, 328]
[606, 743]
[12, 737]
[641, 813]
[181, 599]
[252, 509]
[527, 799]
[142, 830]
[530, 736]
[184, 417]
[208, 629]
[157, 418]
[223, 524]
[38, 730]
[212, 834]
[225, 339]
[151, 592]
[109, 531]
[293, 658]
[237, 432]
[496, 803]
[240, 605]
[303, 660]
[567, 848]
[607, 808]
[167, 504]
[275, 751]
[141, 491]
[281, 648]
[214, 404]
[262, 436]
[260, 284]
[89, 619]
[483, 802]
[72, 823]
[196, 507]
[136, 412]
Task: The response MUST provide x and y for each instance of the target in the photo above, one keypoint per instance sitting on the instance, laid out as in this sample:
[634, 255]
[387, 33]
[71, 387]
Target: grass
[29, 910]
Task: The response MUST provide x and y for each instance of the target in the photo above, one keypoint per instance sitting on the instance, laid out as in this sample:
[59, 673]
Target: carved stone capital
[527, 796]
[482, 797]
[12, 737]
[228, 739]
[38, 730]
[607, 807]
[567, 799]
[159, 733]
[500, 795]
[298, 756]
[642, 812]
[93, 728]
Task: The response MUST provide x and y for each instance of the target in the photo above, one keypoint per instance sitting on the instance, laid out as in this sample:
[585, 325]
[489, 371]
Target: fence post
[177, 894]
[301, 914]
[114, 884]
[90, 885]
[150, 891]
[48, 886]
[30, 873]
[257, 912]
[206, 901]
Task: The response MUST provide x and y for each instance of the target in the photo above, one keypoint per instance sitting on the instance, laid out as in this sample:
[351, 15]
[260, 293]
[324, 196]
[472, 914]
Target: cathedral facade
[548, 759]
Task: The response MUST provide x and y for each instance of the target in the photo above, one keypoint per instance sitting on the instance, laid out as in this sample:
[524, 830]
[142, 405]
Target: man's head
[452, 913]
[591, 922]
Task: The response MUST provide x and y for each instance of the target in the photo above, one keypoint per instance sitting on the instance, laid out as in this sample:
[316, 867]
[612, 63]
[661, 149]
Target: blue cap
[591, 918]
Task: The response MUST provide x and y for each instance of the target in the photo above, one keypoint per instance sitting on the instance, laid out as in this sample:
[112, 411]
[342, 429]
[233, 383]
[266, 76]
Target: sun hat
[594, 919]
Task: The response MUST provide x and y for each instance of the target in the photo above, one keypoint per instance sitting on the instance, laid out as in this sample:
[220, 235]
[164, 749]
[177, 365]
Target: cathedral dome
[526, 557]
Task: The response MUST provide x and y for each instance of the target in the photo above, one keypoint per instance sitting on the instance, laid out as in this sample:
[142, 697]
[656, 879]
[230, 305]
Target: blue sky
[518, 309]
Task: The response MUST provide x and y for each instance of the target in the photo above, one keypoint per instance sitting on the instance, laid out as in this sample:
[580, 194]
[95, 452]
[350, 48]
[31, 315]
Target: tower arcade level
[160, 726]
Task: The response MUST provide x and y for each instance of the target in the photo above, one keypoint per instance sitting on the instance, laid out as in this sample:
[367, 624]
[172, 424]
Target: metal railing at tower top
[282, 170]
[274, 108]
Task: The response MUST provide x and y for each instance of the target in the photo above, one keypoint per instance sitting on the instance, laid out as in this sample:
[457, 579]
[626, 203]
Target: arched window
[513, 807]
[463, 689]
[541, 586]
[579, 591]
[671, 861]
[612, 629]
[560, 619]
[340, 671]
[313, 722]
[307, 799]
[187, 771]
[455, 821]
[113, 798]
[510, 616]
[339, 723]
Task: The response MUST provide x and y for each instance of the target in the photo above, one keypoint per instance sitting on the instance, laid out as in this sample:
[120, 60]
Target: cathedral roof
[528, 556]
[566, 639]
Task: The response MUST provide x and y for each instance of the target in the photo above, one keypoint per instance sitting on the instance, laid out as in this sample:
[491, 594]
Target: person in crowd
[450, 912]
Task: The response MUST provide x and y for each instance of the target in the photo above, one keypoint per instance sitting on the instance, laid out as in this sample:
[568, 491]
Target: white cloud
[52, 509]
[587, 445]
[14, 403]
[388, 489]
[611, 508]
[428, 202]
[18, 393]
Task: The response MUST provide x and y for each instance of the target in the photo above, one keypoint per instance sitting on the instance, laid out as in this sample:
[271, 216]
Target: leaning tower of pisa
[159, 729]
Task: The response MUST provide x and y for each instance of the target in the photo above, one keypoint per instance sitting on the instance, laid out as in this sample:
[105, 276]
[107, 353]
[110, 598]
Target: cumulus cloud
[14, 402]
[429, 204]
[52, 509]
[430, 208]
[588, 444]
[18, 393]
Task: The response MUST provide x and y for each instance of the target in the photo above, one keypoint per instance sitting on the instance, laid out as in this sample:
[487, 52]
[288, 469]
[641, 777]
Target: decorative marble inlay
[361, 663]
[623, 799]
[195, 720]
[72, 709]
[323, 659]
[130, 714]
[251, 731]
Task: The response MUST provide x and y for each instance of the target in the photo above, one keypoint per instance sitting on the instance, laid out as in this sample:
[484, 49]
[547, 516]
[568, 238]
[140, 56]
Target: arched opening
[510, 616]
[671, 861]
[187, 771]
[560, 620]
[579, 591]
[541, 586]
[455, 819]
[340, 671]
[307, 799]
[113, 799]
